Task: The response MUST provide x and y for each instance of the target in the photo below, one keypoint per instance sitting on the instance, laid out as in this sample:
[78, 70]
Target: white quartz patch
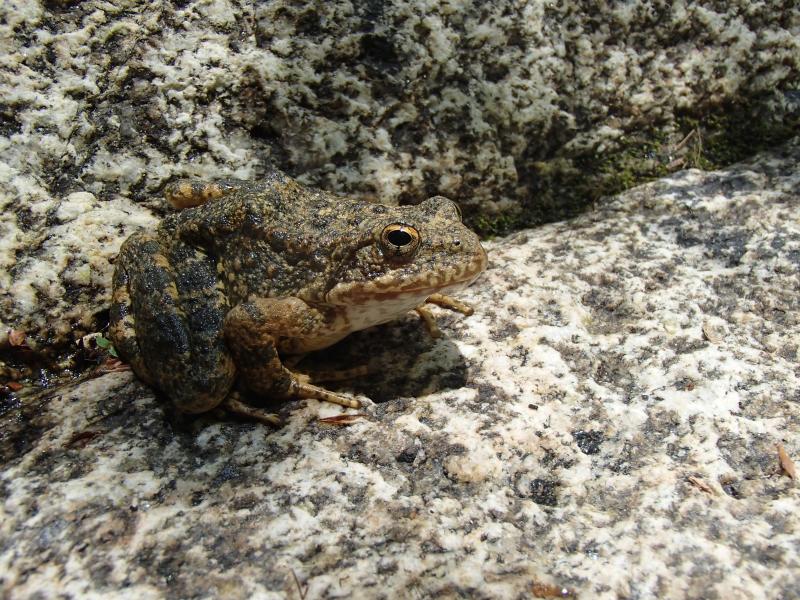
[72, 267]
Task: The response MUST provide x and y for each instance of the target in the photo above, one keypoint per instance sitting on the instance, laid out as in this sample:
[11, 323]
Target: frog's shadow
[402, 358]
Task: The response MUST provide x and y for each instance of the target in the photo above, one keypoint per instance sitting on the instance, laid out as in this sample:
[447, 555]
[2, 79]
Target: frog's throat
[394, 287]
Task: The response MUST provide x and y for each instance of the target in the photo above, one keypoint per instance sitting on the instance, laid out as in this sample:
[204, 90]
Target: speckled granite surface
[606, 422]
[399, 100]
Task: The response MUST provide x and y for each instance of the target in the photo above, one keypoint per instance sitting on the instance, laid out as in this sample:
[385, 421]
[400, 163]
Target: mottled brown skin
[253, 271]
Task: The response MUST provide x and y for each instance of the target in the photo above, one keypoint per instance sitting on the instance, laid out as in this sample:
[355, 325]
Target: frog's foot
[302, 389]
[303, 385]
[430, 322]
[450, 304]
[232, 404]
[251, 329]
[445, 302]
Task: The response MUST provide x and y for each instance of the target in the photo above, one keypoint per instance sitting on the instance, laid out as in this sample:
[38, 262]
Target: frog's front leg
[450, 303]
[445, 302]
[255, 330]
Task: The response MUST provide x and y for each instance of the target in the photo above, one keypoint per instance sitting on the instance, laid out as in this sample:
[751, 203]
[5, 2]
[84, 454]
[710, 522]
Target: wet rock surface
[606, 422]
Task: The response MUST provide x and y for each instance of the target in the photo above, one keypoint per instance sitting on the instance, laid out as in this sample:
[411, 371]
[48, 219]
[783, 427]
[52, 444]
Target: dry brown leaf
[16, 337]
[343, 419]
[786, 463]
[14, 386]
[700, 484]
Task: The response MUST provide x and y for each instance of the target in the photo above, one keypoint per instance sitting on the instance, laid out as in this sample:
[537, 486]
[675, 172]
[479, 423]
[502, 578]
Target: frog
[216, 303]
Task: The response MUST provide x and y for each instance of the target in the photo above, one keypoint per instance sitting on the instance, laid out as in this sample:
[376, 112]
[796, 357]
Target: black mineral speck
[588, 441]
[227, 473]
[543, 491]
[408, 454]
[732, 489]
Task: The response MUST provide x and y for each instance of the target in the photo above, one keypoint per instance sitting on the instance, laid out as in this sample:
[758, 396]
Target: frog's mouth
[400, 287]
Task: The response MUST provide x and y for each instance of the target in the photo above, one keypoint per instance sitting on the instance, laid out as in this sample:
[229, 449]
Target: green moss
[490, 226]
[730, 137]
[563, 187]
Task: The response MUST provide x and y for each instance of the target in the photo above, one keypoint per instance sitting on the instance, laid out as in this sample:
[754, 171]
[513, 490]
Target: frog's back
[273, 237]
[253, 208]
[314, 215]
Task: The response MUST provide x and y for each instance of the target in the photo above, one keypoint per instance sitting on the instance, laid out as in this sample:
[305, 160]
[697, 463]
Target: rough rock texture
[607, 422]
[498, 105]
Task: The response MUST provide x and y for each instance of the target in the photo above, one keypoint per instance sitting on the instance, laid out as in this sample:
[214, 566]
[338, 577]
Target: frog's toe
[430, 322]
[232, 404]
[301, 389]
[450, 303]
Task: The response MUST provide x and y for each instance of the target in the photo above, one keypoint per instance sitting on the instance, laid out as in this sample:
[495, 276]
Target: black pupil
[398, 237]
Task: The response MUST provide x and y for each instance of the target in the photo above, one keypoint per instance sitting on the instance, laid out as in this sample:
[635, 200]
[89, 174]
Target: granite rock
[502, 106]
[607, 424]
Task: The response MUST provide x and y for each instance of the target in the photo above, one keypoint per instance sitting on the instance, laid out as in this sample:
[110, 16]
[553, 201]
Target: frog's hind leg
[122, 325]
[252, 329]
[177, 316]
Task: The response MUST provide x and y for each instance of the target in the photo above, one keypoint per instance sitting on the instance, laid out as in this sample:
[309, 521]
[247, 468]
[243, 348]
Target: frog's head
[407, 253]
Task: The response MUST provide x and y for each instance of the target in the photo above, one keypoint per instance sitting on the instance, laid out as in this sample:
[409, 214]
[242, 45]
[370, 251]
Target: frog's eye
[399, 241]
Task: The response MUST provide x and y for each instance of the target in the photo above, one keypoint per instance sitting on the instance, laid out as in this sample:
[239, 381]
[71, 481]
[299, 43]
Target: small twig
[300, 589]
[698, 147]
[81, 439]
[685, 140]
[112, 365]
[702, 485]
